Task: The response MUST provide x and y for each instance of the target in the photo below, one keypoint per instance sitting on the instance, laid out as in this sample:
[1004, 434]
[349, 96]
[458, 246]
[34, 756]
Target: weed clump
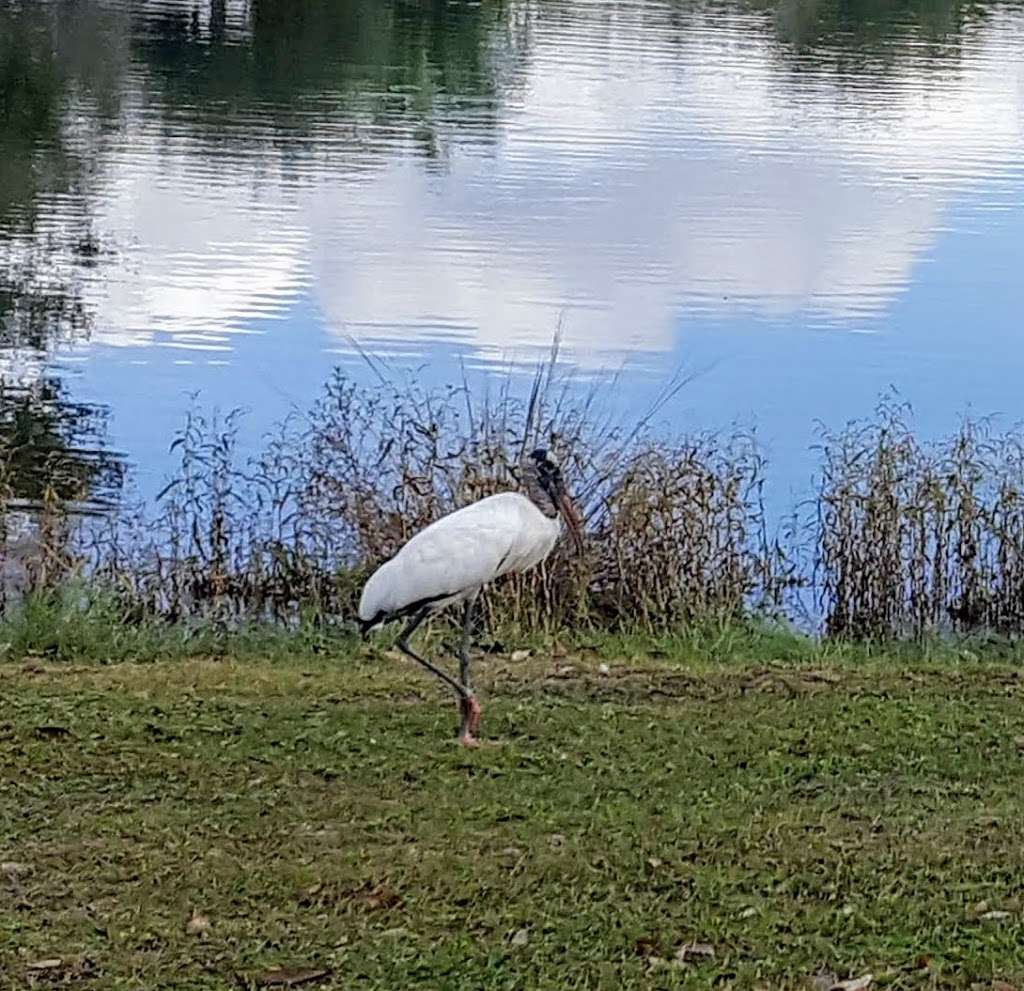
[677, 528]
[915, 538]
[903, 539]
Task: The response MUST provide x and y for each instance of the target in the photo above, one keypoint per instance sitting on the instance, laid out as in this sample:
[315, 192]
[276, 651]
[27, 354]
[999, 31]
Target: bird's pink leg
[470, 726]
[474, 716]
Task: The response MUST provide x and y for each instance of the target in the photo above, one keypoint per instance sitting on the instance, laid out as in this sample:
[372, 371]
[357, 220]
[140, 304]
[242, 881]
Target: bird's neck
[539, 496]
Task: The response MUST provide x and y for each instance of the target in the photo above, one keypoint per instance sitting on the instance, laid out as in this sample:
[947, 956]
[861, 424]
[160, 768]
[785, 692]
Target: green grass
[798, 809]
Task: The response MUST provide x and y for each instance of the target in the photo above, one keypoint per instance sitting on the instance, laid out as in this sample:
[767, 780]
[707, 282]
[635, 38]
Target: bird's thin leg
[465, 736]
[472, 707]
[403, 646]
[467, 626]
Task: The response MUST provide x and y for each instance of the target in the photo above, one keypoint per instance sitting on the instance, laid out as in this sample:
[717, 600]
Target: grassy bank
[194, 821]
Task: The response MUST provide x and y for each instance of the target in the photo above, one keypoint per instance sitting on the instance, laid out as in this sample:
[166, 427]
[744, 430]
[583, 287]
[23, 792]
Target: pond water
[801, 203]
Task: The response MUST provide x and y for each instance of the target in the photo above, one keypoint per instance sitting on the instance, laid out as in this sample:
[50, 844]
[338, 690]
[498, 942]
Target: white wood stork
[453, 558]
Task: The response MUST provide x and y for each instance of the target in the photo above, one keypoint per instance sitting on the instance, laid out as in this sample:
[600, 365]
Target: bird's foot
[466, 739]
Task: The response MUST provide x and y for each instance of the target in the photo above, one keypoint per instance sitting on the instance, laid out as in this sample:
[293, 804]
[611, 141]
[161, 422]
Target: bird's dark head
[549, 478]
[548, 473]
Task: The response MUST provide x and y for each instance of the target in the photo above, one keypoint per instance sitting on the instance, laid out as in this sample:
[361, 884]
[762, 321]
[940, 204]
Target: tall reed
[677, 530]
[914, 537]
[906, 538]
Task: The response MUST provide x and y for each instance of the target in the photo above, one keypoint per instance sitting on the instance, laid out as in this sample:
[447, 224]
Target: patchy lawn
[196, 823]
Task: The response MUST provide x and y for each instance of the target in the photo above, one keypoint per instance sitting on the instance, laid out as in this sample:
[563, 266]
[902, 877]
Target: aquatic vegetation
[902, 538]
[914, 537]
[676, 529]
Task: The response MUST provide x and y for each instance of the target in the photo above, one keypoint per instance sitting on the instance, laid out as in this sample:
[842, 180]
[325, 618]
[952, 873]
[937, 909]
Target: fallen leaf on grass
[995, 914]
[694, 951]
[51, 964]
[197, 924]
[854, 984]
[823, 980]
[63, 969]
[520, 937]
[1003, 986]
[290, 977]
[378, 897]
[51, 732]
[604, 669]
[519, 655]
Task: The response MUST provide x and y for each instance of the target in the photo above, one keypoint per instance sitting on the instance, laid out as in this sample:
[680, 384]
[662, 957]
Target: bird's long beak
[572, 519]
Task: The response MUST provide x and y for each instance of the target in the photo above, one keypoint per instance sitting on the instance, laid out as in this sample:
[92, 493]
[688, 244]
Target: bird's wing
[457, 553]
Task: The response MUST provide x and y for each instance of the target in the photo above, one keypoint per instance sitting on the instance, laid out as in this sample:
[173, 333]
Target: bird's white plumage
[455, 556]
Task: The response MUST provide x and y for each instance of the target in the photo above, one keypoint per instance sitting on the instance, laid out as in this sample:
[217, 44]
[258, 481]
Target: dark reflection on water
[50, 446]
[858, 34]
[810, 198]
[53, 449]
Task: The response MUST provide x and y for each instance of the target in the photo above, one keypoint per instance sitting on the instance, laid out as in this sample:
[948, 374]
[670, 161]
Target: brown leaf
[854, 984]
[520, 937]
[52, 732]
[290, 977]
[694, 951]
[51, 964]
[374, 898]
[823, 980]
[197, 924]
